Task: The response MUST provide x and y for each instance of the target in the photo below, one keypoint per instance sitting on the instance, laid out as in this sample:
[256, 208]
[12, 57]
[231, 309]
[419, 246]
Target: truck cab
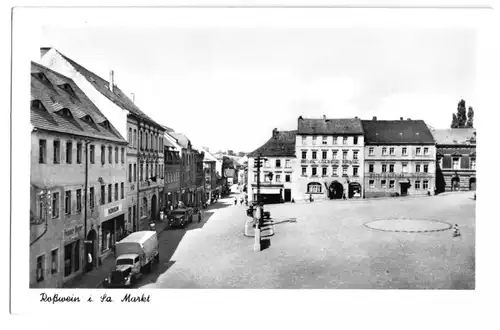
[126, 272]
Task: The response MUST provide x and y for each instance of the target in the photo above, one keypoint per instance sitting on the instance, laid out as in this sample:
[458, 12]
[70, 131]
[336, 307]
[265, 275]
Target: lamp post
[259, 211]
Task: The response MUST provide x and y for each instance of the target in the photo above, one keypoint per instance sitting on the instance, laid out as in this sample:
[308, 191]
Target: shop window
[40, 268]
[42, 151]
[54, 261]
[314, 188]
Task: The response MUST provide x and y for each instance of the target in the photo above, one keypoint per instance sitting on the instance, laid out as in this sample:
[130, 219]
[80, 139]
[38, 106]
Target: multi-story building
[73, 146]
[330, 156]
[188, 168]
[399, 157]
[144, 153]
[172, 160]
[277, 170]
[456, 159]
[199, 197]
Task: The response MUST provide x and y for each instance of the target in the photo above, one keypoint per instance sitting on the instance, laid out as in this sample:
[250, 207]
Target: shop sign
[74, 232]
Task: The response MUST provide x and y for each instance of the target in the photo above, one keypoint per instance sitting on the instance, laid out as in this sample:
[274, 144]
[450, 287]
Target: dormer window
[88, 119]
[67, 88]
[65, 113]
[41, 76]
[106, 124]
[36, 104]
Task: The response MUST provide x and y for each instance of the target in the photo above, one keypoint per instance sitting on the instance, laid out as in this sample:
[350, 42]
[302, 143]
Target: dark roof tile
[280, 145]
[397, 132]
[328, 126]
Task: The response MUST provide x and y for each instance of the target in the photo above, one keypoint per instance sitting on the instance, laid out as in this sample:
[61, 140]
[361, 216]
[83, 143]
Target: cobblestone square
[330, 246]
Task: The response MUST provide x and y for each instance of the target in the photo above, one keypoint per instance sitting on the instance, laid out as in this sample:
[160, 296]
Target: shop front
[72, 252]
[112, 228]
[269, 194]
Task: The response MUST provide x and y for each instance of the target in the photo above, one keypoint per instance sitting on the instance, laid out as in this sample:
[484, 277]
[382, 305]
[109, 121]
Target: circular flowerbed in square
[406, 225]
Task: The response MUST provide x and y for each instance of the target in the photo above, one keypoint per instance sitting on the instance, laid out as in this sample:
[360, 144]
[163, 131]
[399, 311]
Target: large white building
[330, 155]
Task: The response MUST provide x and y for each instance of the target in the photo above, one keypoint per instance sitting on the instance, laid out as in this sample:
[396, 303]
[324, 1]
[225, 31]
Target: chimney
[133, 97]
[111, 80]
[374, 117]
[275, 133]
[356, 117]
[408, 118]
[43, 50]
[400, 118]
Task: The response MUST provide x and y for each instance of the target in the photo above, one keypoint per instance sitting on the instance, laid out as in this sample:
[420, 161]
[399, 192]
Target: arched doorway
[90, 248]
[455, 183]
[354, 190]
[153, 207]
[335, 190]
[472, 183]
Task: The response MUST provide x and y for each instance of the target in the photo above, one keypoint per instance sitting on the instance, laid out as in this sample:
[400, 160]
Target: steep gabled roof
[58, 104]
[282, 144]
[329, 126]
[452, 136]
[181, 139]
[397, 132]
[116, 96]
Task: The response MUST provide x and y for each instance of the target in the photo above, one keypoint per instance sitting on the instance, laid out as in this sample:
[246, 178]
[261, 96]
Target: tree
[470, 118]
[461, 115]
[454, 121]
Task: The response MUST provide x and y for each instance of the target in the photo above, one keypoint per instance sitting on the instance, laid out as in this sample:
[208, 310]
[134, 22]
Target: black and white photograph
[272, 149]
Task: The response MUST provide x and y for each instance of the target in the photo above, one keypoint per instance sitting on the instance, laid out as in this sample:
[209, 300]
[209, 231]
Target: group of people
[242, 200]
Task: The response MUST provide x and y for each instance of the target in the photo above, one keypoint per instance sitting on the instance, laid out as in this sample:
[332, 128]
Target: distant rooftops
[451, 136]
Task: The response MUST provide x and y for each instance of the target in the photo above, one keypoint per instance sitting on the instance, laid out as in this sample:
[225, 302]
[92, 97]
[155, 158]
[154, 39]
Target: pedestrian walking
[456, 231]
[235, 201]
[199, 216]
[241, 200]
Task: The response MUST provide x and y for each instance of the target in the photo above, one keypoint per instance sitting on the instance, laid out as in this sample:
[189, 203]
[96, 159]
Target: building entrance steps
[95, 277]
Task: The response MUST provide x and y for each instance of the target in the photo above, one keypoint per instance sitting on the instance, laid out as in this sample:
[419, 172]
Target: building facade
[399, 158]
[73, 145]
[172, 193]
[276, 175]
[456, 159]
[142, 196]
[330, 156]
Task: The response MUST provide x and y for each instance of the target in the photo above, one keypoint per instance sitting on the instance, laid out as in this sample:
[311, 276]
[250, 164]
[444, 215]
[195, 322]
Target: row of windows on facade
[383, 184]
[152, 170]
[277, 163]
[56, 151]
[277, 178]
[325, 140]
[456, 164]
[404, 151]
[334, 172]
[147, 141]
[71, 261]
[404, 168]
[324, 154]
[53, 209]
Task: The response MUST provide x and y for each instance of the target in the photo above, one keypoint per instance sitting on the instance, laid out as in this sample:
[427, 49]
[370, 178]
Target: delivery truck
[135, 254]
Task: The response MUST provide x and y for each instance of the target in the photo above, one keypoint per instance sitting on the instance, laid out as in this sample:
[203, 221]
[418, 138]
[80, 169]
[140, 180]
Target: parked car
[180, 217]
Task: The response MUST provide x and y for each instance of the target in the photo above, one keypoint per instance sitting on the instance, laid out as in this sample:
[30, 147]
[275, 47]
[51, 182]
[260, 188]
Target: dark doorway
[354, 190]
[335, 190]
[404, 188]
[472, 183]
[455, 183]
[153, 207]
[90, 247]
[288, 195]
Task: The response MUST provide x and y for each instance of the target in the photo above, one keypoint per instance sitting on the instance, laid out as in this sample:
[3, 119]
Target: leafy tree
[454, 121]
[470, 118]
[461, 115]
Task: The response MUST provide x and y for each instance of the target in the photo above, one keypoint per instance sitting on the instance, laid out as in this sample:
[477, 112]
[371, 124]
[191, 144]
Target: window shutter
[464, 162]
[447, 162]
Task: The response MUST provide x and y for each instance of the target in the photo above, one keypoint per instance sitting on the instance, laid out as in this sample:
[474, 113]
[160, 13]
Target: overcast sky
[227, 88]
